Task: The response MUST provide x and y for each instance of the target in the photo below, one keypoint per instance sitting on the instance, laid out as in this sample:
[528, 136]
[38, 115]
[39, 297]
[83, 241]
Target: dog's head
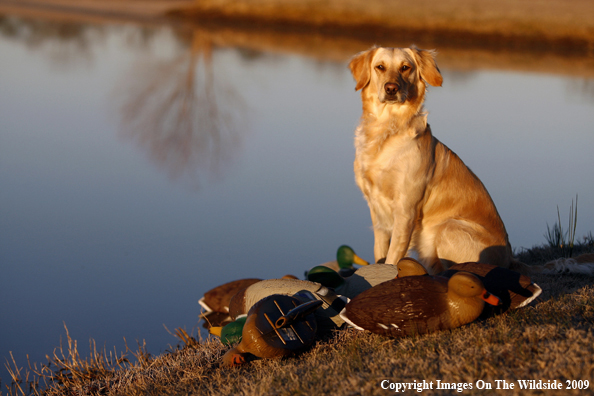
[395, 75]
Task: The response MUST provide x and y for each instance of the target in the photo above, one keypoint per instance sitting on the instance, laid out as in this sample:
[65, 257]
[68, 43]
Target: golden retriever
[421, 195]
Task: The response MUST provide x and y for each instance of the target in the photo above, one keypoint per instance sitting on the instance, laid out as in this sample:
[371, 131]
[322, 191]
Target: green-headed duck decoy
[513, 289]
[327, 316]
[345, 258]
[276, 326]
[418, 305]
[231, 332]
[364, 278]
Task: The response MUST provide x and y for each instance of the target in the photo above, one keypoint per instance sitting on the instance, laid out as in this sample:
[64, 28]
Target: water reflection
[62, 43]
[181, 112]
[175, 108]
[581, 88]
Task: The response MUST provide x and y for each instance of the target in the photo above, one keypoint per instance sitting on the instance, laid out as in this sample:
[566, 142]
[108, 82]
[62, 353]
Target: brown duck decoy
[218, 299]
[327, 316]
[408, 266]
[418, 305]
[513, 289]
[276, 326]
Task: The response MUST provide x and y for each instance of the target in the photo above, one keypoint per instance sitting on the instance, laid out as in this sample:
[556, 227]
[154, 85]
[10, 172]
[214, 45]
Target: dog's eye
[404, 68]
[380, 67]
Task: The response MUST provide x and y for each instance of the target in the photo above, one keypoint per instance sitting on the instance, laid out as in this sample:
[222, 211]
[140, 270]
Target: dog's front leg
[381, 240]
[400, 241]
[405, 218]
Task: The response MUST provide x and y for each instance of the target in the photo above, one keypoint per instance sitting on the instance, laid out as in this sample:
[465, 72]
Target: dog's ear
[427, 66]
[360, 67]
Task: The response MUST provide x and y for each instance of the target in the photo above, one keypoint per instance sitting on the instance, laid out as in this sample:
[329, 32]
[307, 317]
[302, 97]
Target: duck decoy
[418, 305]
[513, 289]
[215, 319]
[231, 332]
[218, 298]
[276, 326]
[345, 258]
[364, 278]
[327, 316]
[408, 266]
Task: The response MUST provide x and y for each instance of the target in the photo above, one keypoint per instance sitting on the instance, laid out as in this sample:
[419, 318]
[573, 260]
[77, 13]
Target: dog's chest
[380, 170]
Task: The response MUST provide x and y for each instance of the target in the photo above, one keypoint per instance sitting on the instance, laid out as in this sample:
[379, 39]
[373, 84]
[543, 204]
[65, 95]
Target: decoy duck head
[467, 297]
[231, 332]
[346, 257]
[325, 276]
[408, 266]
[466, 284]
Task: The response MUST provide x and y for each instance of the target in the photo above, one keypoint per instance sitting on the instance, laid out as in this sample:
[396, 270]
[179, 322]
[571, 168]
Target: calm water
[137, 173]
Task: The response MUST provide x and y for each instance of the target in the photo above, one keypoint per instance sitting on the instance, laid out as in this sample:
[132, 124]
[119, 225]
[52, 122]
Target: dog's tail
[582, 264]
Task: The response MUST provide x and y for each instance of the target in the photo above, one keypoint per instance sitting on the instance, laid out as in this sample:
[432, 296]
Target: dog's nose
[391, 88]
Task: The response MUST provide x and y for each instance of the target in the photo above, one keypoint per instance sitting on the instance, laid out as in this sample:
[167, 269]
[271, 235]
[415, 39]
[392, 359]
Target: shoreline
[494, 28]
[564, 27]
[325, 41]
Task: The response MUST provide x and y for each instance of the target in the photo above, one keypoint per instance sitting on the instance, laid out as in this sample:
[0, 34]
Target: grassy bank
[552, 25]
[552, 339]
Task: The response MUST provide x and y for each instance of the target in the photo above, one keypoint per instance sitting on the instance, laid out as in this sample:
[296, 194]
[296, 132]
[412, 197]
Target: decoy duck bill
[238, 359]
[359, 260]
[491, 298]
[215, 330]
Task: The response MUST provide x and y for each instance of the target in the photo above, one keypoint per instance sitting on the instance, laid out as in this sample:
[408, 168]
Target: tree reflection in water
[175, 108]
[181, 113]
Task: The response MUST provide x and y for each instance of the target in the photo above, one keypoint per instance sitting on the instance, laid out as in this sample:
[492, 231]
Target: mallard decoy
[345, 258]
[231, 332]
[276, 326]
[327, 316]
[364, 278]
[218, 299]
[513, 289]
[418, 305]
[215, 319]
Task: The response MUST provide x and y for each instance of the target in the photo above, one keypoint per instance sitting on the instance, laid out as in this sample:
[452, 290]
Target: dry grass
[560, 25]
[498, 23]
[552, 339]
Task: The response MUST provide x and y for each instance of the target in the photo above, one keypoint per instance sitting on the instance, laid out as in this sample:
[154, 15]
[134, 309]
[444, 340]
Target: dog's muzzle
[392, 93]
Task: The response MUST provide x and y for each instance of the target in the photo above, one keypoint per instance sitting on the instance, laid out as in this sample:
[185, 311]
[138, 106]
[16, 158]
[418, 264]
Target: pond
[141, 166]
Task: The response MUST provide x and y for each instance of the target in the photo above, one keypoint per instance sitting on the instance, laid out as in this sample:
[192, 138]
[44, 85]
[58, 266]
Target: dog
[421, 196]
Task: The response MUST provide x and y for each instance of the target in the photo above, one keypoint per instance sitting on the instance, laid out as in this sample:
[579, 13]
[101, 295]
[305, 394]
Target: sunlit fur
[421, 195]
